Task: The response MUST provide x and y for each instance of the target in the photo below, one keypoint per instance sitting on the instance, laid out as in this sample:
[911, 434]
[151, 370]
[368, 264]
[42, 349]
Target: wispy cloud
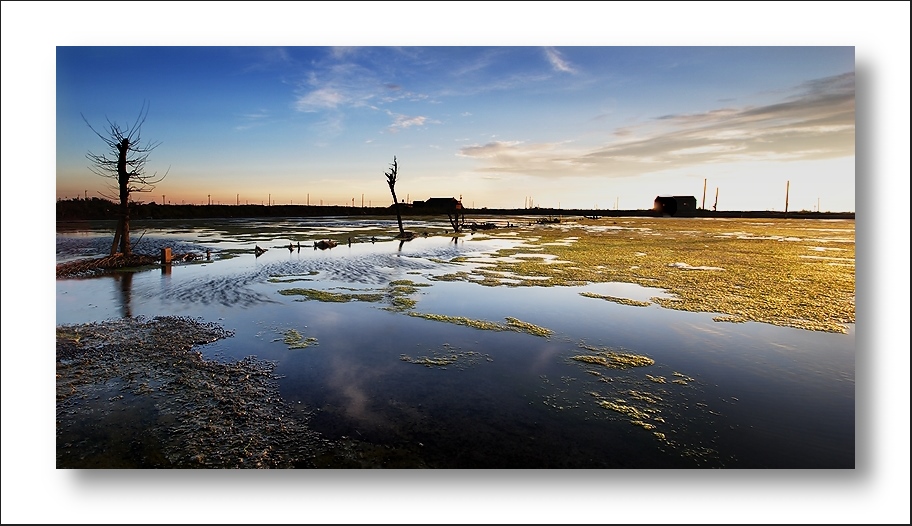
[557, 61]
[252, 120]
[266, 58]
[322, 98]
[401, 122]
[339, 87]
[817, 122]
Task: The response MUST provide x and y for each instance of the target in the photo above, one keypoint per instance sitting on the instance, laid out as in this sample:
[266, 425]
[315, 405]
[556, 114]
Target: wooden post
[787, 196]
[166, 256]
[703, 206]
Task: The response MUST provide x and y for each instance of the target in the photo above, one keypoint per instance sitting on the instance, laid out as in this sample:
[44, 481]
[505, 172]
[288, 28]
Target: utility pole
[237, 200]
[210, 199]
[717, 199]
[703, 206]
[163, 198]
[787, 196]
[362, 200]
[818, 205]
[269, 200]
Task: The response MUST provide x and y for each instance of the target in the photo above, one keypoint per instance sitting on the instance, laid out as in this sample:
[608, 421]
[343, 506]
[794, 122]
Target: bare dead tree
[125, 164]
[457, 222]
[391, 176]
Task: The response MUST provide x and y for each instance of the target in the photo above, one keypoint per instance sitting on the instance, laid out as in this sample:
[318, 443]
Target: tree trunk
[398, 215]
[125, 246]
[116, 237]
[123, 178]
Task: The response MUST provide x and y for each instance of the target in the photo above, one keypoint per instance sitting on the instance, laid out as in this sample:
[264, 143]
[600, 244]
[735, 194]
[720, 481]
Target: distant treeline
[97, 208]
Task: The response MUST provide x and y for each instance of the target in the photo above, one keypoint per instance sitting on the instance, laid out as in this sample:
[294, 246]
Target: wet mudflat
[582, 344]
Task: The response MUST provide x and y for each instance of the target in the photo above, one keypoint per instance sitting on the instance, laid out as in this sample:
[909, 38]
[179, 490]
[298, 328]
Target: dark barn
[678, 205]
[438, 204]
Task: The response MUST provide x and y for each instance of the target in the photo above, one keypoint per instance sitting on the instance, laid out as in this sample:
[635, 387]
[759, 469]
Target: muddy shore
[136, 393]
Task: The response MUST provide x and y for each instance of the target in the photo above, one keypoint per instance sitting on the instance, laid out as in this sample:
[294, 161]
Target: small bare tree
[391, 176]
[124, 163]
[457, 222]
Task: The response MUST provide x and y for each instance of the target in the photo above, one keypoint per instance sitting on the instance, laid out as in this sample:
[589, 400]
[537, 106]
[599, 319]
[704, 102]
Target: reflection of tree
[126, 292]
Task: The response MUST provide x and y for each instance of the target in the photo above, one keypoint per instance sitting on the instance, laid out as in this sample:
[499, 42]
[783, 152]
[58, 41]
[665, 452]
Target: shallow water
[752, 395]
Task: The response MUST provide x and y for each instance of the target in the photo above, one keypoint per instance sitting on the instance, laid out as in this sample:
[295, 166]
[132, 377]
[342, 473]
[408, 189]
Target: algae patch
[512, 324]
[295, 340]
[767, 277]
[399, 292]
[332, 297]
[456, 358]
[612, 359]
[615, 299]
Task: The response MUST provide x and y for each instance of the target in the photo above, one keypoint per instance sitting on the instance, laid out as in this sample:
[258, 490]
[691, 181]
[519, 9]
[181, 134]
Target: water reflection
[125, 281]
[762, 396]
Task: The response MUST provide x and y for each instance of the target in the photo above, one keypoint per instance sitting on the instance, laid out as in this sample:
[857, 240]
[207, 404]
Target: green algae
[398, 293]
[401, 304]
[512, 324]
[613, 360]
[529, 328]
[440, 361]
[286, 279]
[332, 297]
[743, 269]
[295, 340]
[447, 357]
[622, 407]
[615, 299]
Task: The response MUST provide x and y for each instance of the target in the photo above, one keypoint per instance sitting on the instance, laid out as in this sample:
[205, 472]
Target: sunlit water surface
[754, 395]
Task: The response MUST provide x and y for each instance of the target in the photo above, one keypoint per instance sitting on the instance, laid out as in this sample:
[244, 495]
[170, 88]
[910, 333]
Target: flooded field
[587, 343]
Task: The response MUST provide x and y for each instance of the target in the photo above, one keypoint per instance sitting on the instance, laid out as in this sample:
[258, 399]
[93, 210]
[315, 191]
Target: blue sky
[501, 126]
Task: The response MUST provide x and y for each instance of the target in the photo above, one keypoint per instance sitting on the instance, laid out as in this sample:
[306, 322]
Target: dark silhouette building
[678, 205]
[438, 204]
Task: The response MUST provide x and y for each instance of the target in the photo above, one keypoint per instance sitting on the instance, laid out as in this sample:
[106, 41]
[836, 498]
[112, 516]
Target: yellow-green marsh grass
[621, 406]
[615, 299]
[333, 297]
[295, 340]
[397, 294]
[451, 357]
[767, 270]
[613, 360]
[512, 324]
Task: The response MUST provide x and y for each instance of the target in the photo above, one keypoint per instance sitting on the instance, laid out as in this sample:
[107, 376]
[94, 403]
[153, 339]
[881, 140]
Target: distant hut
[677, 205]
[438, 204]
[450, 206]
